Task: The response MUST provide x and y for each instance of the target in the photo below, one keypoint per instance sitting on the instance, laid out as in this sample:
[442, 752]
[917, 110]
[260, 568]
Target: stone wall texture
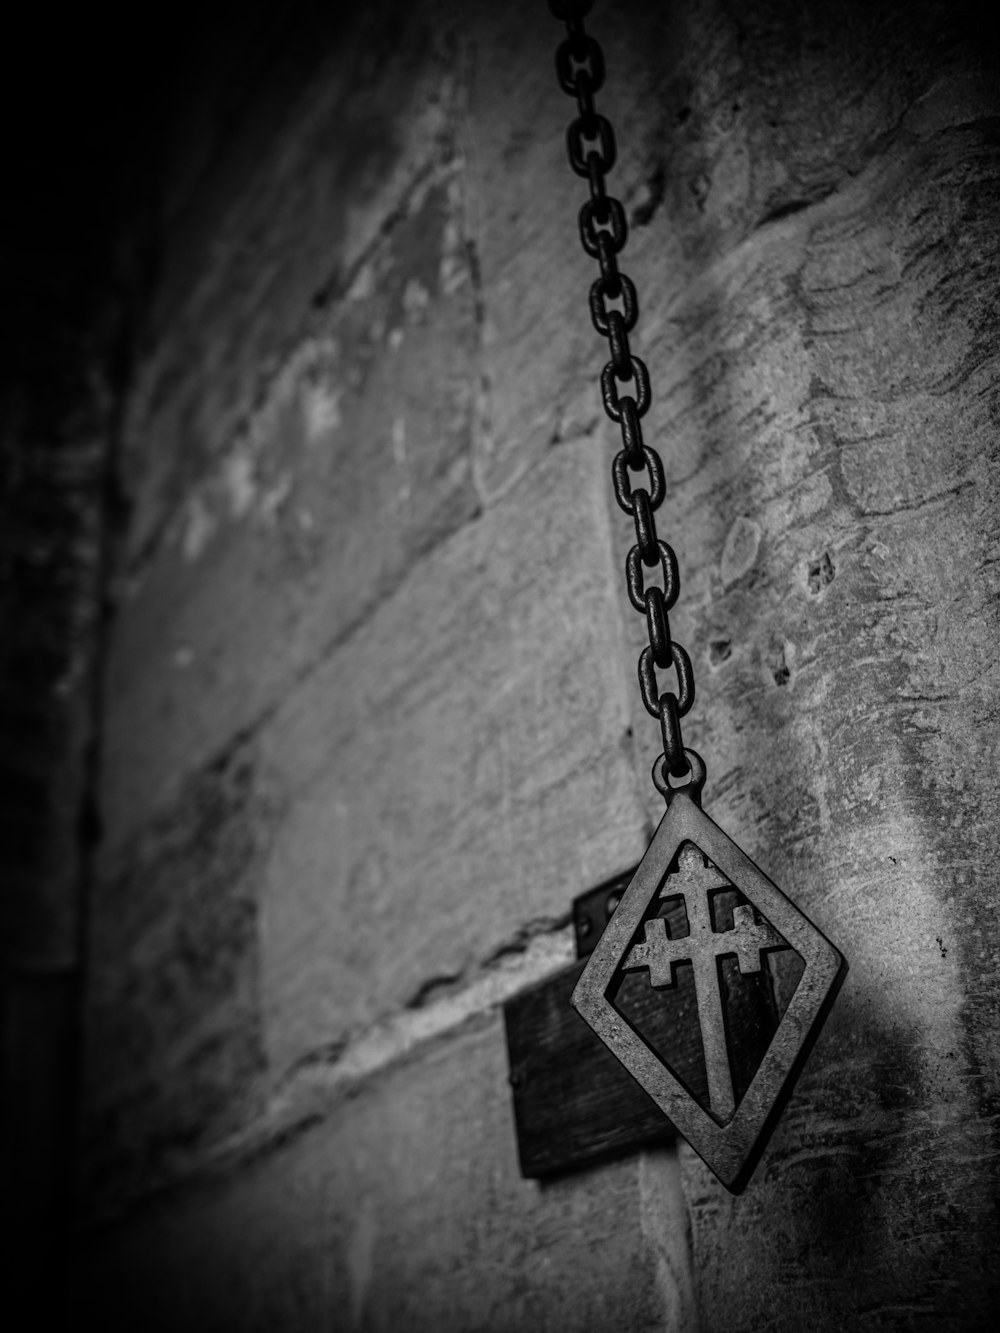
[369, 714]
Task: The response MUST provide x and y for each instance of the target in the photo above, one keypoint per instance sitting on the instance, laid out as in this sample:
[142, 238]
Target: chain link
[590, 144]
[623, 487]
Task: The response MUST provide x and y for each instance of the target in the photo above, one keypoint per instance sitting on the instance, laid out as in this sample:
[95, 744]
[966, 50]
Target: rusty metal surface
[729, 1134]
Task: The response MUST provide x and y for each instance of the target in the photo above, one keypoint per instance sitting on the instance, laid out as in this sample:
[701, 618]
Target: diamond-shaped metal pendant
[691, 875]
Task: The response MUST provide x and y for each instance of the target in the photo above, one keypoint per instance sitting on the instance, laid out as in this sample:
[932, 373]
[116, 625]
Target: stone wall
[370, 713]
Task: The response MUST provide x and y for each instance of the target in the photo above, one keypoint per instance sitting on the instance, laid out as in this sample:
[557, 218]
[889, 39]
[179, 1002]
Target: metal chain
[590, 142]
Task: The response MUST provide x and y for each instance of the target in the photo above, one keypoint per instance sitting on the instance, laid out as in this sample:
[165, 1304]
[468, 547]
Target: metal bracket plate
[574, 1102]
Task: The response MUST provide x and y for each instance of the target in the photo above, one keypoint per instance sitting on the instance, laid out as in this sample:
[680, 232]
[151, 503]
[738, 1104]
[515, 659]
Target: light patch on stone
[391, 1038]
[814, 496]
[311, 1085]
[740, 550]
[309, 369]
[364, 283]
[361, 1259]
[272, 499]
[399, 454]
[321, 409]
[451, 274]
[239, 483]
[891, 940]
[416, 299]
[75, 673]
[452, 271]
[305, 378]
[130, 584]
[399, 440]
[198, 529]
[458, 470]
[665, 1229]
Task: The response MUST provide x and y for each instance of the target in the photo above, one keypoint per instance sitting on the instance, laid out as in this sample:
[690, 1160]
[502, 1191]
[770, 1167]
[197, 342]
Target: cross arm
[753, 935]
[658, 953]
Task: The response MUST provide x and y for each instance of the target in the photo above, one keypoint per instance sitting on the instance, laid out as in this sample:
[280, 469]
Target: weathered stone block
[356, 461]
[403, 1209]
[444, 782]
[457, 769]
[173, 1023]
[322, 155]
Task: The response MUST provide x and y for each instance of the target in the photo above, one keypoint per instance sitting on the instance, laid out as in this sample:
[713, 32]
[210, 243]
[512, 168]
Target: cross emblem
[703, 946]
[729, 1138]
